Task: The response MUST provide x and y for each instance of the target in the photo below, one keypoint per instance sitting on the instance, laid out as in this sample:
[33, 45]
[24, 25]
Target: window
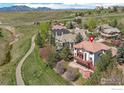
[91, 53]
[59, 33]
[90, 59]
[100, 54]
[75, 54]
[85, 56]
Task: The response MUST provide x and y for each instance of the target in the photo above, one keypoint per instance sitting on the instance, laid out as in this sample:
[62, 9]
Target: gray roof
[106, 26]
[111, 30]
[81, 31]
[67, 38]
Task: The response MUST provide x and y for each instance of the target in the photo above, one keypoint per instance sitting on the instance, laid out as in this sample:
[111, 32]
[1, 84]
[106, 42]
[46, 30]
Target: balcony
[87, 64]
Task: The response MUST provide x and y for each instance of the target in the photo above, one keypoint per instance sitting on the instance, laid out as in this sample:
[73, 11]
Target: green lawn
[35, 72]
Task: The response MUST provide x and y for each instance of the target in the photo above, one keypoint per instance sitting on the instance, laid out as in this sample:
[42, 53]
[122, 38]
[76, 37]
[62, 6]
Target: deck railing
[87, 64]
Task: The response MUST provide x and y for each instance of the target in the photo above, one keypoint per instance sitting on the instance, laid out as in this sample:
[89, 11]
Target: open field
[4, 42]
[35, 72]
[19, 17]
[7, 71]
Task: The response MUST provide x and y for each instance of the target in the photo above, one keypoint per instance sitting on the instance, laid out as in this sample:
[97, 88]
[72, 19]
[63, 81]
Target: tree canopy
[113, 23]
[39, 40]
[66, 53]
[104, 61]
[91, 24]
[44, 29]
[79, 38]
[53, 58]
[120, 56]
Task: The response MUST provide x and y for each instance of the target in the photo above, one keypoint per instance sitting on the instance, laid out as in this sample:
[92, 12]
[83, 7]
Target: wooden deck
[88, 64]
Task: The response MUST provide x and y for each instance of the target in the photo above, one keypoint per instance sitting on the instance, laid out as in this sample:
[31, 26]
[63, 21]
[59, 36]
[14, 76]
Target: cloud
[62, 1]
[61, 5]
[68, 6]
[57, 6]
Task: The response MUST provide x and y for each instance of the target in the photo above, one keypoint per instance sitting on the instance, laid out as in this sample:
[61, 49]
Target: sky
[63, 4]
[62, 1]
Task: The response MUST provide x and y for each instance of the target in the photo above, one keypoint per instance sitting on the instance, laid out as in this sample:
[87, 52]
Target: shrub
[72, 74]
[66, 54]
[94, 79]
[113, 23]
[70, 25]
[60, 67]
[52, 59]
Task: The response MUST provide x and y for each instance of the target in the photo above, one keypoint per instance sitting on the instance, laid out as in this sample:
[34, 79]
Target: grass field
[4, 42]
[21, 17]
[35, 72]
[7, 71]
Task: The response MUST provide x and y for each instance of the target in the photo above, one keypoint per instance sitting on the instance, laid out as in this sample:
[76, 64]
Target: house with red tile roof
[87, 53]
[59, 29]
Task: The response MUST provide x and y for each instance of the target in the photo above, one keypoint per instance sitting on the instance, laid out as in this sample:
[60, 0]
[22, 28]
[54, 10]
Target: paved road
[19, 79]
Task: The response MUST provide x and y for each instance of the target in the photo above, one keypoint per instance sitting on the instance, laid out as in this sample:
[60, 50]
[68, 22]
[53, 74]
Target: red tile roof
[92, 46]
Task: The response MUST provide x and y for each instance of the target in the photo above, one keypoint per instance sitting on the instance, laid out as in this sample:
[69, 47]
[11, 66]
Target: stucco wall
[96, 56]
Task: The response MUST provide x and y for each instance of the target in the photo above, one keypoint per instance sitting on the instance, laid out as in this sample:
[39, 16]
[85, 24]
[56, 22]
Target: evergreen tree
[1, 32]
[53, 58]
[120, 54]
[70, 25]
[66, 53]
[39, 40]
[79, 38]
[52, 39]
[104, 61]
[44, 28]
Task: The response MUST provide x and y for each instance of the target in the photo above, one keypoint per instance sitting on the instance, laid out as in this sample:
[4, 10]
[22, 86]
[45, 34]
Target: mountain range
[23, 8]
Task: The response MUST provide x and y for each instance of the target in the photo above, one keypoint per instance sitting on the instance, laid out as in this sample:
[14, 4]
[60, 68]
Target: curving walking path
[19, 80]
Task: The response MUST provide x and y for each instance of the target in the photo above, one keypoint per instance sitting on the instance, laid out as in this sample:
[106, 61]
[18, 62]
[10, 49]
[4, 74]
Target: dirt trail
[19, 79]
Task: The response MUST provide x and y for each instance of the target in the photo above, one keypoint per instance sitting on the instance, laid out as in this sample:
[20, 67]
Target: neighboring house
[87, 53]
[63, 36]
[59, 30]
[65, 39]
[81, 31]
[108, 31]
